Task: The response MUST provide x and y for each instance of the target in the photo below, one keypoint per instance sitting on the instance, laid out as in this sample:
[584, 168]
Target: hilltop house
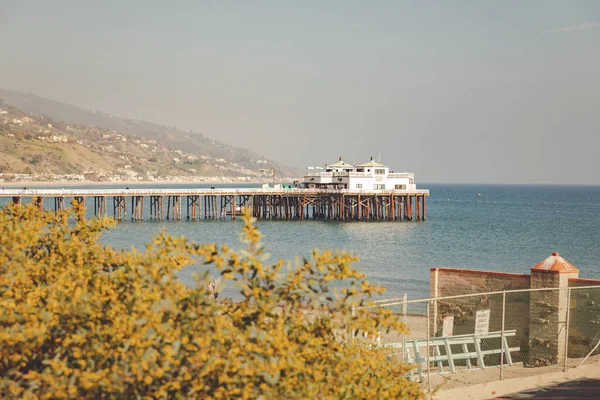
[368, 176]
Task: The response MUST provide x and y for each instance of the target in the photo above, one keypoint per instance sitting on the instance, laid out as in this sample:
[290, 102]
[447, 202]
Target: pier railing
[357, 174]
[200, 191]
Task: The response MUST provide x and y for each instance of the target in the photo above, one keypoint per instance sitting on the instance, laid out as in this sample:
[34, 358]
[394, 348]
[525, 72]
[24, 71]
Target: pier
[264, 203]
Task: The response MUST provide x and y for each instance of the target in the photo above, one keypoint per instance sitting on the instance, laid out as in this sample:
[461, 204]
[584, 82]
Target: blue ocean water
[507, 228]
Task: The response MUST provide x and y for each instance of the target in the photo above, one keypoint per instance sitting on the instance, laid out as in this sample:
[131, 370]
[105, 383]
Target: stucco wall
[580, 282]
[521, 308]
[451, 282]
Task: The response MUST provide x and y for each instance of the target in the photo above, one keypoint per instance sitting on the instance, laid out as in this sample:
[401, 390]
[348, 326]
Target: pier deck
[224, 203]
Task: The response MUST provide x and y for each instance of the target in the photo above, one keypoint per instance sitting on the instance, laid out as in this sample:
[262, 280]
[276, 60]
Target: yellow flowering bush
[79, 319]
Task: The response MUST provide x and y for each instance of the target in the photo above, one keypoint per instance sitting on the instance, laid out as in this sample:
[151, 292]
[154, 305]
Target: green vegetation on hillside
[114, 148]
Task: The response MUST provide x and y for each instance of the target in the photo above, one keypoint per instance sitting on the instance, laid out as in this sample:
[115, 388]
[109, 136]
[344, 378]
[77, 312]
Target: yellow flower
[81, 320]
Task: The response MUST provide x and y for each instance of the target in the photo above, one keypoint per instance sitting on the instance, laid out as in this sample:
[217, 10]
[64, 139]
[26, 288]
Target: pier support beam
[59, 204]
[100, 206]
[193, 208]
[119, 208]
[39, 202]
[157, 208]
[137, 208]
[174, 208]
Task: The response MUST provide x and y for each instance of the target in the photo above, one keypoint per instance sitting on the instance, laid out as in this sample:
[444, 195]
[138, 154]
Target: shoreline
[133, 183]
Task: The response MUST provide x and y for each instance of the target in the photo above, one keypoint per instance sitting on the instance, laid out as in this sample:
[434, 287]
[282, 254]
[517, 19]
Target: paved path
[577, 389]
[577, 383]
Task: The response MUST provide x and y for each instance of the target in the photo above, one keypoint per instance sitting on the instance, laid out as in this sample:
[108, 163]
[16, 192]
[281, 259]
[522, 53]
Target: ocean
[505, 228]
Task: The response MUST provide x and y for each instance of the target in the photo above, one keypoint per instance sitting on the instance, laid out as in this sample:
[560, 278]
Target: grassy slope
[55, 158]
[166, 136]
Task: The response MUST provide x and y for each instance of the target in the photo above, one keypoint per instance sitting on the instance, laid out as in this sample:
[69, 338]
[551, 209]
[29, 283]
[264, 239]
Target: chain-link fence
[584, 326]
[463, 340]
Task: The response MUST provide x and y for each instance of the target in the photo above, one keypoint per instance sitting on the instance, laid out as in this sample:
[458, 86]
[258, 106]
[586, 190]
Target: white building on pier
[368, 176]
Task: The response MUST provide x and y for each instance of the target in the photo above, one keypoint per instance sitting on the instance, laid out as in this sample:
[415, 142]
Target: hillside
[40, 136]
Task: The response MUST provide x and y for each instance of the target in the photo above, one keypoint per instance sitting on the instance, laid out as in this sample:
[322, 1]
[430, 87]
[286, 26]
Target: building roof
[371, 163]
[340, 164]
[555, 263]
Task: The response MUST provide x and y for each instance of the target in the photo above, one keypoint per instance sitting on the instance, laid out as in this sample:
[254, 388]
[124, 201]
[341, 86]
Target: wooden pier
[264, 203]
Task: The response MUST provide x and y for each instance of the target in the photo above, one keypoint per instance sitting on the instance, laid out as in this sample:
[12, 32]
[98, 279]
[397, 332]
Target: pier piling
[282, 204]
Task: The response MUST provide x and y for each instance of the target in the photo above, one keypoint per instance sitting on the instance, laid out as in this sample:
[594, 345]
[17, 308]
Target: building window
[400, 187]
[379, 186]
[359, 185]
[380, 171]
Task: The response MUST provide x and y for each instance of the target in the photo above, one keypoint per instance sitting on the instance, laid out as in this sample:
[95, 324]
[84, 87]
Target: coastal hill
[48, 138]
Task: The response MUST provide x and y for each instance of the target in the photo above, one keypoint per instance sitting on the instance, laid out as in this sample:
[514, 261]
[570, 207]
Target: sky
[455, 91]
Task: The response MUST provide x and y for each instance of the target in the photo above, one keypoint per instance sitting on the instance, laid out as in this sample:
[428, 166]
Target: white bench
[415, 351]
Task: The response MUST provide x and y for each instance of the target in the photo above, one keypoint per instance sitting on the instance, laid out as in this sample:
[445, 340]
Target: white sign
[482, 322]
[448, 326]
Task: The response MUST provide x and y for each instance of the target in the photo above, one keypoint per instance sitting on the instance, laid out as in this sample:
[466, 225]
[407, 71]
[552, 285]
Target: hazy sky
[455, 91]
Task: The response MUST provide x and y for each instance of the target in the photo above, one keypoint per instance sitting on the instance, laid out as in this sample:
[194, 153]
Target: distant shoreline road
[132, 183]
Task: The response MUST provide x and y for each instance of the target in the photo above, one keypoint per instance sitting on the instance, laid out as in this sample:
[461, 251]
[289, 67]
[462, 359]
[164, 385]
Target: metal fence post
[567, 323]
[404, 312]
[353, 333]
[435, 314]
[427, 350]
[502, 338]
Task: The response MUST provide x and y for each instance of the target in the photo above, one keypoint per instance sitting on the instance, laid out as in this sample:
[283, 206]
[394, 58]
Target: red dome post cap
[555, 263]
